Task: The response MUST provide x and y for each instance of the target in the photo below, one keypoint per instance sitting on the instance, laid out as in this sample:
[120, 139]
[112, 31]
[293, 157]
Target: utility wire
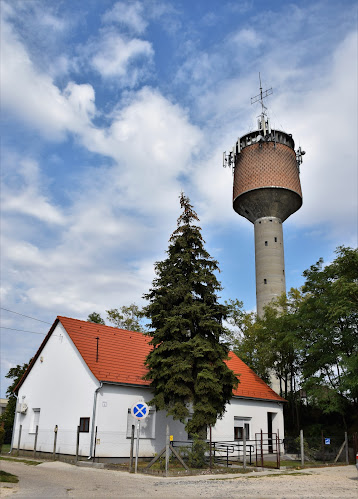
[22, 330]
[23, 315]
[25, 331]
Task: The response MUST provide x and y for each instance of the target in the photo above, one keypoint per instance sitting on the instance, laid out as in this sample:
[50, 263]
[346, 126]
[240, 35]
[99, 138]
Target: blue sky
[110, 109]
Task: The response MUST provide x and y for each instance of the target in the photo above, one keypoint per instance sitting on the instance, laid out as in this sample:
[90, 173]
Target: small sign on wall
[327, 441]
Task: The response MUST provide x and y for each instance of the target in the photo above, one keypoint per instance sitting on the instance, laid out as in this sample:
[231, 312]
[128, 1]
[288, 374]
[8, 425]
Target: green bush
[195, 455]
[2, 435]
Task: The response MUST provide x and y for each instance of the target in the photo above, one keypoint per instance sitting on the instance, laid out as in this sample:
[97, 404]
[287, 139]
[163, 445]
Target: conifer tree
[186, 367]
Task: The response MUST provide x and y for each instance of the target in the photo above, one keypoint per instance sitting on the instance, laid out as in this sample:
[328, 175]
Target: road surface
[57, 479]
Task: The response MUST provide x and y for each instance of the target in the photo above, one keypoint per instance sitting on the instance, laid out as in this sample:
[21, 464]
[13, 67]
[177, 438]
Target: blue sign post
[139, 411]
[327, 441]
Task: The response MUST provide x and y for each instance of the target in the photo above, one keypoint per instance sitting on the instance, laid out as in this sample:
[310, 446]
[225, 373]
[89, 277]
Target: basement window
[84, 425]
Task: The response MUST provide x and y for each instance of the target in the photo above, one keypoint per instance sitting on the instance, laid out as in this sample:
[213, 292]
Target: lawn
[8, 477]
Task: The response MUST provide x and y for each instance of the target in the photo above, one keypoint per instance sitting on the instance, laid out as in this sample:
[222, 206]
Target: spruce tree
[189, 377]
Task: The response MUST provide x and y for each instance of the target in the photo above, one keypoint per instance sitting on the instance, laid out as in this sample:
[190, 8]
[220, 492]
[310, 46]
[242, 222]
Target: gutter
[14, 425]
[94, 417]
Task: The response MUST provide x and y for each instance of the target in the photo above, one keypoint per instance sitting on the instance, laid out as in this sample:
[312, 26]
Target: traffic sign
[327, 441]
[140, 410]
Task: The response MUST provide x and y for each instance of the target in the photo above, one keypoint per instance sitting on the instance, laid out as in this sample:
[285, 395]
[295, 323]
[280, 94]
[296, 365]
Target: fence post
[278, 449]
[167, 443]
[302, 449]
[211, 453]
[95, 444]
[77, 442]
[347, 451]
[262, 451]
[35, 443]
[54, 443]
[19, 439]
[244, 450]
[131, 451]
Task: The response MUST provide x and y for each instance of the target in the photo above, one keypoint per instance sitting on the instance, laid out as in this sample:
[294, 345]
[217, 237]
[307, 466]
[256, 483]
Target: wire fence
[265, 448]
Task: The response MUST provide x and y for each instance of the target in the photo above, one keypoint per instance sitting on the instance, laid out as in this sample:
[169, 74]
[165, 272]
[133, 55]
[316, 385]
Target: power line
[22, 330]
[23, 315]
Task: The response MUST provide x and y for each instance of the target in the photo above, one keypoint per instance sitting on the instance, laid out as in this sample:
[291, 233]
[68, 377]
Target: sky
[111, 109]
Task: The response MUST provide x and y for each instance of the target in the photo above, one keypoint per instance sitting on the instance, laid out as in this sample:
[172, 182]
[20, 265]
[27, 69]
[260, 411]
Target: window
[241, 425]
[147, 426]
[275, 239]
[266, 243]
[35, 419]
[84, 425]
[265, 281]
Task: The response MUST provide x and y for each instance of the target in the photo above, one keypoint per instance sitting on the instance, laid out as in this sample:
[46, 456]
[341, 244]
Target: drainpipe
[94, 417]
[14, 425]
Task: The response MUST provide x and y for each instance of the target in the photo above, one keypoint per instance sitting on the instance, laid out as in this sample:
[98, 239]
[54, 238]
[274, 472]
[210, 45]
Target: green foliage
[329, 316]
[7, 417]
[96, 318]
[128, 318]
[2, 436]
[186, 367]
[194, 455]
[248, 339]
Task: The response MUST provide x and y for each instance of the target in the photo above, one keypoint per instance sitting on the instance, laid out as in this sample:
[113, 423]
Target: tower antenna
[260, 97]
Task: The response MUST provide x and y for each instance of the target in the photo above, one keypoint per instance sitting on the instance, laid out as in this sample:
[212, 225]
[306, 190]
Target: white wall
[113, 403]
[255, 409]
[62, 387]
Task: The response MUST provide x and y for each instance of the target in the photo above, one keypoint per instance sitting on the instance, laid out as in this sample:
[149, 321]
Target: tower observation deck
[266, 191]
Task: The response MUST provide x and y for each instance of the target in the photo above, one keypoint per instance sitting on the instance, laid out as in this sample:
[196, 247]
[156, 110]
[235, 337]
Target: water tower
[267, 190]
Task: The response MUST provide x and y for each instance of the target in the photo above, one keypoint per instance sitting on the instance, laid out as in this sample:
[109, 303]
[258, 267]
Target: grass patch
[5, 448]
[25, 461]
[8, 477]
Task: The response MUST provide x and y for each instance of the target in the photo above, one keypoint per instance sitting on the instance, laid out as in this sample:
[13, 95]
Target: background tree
[329, 316]
[96, 318]
[7, 417]
[188, 374]
[129, 318]
[248, 339]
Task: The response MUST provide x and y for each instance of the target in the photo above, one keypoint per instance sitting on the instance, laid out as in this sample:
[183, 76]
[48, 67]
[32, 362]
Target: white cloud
[246, 37]
[26, 197]
[114, 54]
[127, 14]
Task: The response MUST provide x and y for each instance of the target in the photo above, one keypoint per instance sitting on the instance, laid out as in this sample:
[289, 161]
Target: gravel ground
[57, 479]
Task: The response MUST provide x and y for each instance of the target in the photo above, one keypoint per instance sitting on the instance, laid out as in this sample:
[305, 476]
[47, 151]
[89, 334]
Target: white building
[88, 375]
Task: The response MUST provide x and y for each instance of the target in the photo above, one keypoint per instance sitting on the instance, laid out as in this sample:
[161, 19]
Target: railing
[223, 452]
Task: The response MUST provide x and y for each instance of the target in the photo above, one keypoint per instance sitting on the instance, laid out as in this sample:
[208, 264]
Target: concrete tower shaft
[269, 260]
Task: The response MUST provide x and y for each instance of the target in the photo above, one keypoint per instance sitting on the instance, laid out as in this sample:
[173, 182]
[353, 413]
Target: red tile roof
[121, 356]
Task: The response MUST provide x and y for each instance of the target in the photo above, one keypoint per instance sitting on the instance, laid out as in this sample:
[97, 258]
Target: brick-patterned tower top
[266, 176]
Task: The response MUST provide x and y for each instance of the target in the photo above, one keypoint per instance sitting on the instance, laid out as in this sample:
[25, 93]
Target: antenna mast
[260, 97]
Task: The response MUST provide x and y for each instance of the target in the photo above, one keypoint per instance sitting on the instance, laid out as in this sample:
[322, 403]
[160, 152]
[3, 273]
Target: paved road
[56, 479]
